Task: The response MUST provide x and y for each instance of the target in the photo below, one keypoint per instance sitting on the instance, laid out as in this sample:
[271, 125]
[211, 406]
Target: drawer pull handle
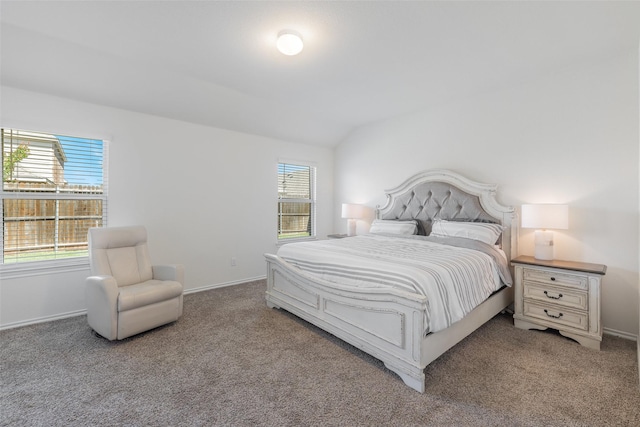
[552, 315]
[551, 296]
[553, 279]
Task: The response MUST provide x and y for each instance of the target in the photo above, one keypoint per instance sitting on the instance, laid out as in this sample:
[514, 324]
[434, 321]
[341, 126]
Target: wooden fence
[49, 224]
[294, 218]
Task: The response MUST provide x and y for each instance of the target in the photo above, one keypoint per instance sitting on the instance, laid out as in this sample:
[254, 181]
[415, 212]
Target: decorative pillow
[482, 231]
[393, 226]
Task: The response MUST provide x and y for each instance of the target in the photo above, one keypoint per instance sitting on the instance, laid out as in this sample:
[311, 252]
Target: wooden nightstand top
[567, 265]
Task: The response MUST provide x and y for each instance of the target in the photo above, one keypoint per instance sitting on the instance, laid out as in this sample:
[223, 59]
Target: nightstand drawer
[566, 297]
[554, 278]
[559, 315]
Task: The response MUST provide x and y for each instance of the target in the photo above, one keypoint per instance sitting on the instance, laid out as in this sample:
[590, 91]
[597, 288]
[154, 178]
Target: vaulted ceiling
[215, 62]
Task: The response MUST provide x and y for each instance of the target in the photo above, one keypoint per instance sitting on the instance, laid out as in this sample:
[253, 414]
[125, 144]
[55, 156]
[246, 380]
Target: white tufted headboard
[443, 194]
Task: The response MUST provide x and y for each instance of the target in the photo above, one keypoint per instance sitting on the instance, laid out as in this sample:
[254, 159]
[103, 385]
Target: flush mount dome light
[289, 42]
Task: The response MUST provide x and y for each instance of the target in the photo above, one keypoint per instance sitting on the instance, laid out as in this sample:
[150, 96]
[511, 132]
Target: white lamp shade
[545, 217]
[352, 211]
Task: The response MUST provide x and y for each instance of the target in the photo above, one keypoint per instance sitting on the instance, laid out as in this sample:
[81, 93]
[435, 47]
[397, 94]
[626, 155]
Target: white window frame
[36, 268]
[312, 200]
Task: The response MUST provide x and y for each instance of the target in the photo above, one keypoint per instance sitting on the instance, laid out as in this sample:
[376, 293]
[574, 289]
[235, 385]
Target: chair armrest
[169, 272]
[101, 293]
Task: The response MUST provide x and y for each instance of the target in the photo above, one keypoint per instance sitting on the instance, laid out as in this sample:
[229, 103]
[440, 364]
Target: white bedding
[454, 279]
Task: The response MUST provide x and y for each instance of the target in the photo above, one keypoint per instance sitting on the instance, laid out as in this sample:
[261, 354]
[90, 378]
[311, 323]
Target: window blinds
[296, 201]
[53, 189]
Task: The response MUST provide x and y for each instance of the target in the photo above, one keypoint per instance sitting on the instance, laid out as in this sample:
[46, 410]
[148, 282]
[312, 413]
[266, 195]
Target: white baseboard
[42, 319]
[223, 285]
[84, 311]
[616, 333]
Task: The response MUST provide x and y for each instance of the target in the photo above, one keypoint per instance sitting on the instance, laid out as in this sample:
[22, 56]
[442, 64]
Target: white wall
[205, 195]
[571, 137]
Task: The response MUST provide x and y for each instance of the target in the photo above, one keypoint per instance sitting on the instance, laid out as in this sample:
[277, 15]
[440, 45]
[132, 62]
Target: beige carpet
[232, 361]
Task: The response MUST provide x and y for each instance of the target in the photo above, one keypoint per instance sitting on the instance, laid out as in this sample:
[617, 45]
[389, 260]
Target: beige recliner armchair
[125, 294]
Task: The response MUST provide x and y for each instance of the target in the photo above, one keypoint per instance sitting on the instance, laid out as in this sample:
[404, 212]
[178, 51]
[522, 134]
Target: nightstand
[336, 236]
[562, 295]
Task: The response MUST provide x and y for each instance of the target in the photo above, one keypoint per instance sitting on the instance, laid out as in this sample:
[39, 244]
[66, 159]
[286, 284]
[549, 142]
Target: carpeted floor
[232, 361]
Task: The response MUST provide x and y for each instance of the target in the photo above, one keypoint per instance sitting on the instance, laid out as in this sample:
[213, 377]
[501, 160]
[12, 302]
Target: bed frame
[389, 323]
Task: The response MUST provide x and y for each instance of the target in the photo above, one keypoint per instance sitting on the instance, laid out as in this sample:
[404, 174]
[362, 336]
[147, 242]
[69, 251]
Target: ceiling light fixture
[289, 42]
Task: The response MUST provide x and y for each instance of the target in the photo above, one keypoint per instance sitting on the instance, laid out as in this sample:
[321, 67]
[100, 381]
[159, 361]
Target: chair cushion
[145, 293]
[124, 266]
[121, 252]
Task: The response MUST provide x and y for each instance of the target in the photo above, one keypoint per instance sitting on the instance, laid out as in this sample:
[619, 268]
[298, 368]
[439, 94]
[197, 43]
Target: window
[53, 189]
[296, 201]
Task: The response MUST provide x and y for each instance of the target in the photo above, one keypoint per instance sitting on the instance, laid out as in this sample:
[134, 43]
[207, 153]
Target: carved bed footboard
[388, 324]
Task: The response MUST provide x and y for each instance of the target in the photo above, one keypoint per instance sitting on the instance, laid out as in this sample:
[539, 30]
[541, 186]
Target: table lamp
[542, 218]
[352, 213]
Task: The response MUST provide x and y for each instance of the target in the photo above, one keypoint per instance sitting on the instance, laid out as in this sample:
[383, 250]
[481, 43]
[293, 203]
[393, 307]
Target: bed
[384, 311]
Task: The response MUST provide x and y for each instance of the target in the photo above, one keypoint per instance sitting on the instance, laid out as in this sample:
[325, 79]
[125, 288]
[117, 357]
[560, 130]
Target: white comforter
[454, 279]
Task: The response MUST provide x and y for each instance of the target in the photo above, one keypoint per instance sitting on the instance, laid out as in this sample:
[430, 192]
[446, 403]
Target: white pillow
[393, 226]
[482, 231]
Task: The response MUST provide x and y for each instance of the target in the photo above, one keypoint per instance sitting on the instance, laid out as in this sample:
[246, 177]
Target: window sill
[39, 268]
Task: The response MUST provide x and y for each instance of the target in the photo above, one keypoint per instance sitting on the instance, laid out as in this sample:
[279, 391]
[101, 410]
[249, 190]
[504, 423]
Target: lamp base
[351, 227]
[544, 245]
